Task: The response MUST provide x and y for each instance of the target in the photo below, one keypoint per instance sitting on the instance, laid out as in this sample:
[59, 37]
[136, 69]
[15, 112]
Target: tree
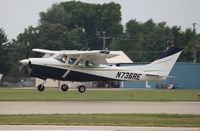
[197, 43]
[75, 25]
[145, 41]
[91, 18]
[67, 25]
[4, 62]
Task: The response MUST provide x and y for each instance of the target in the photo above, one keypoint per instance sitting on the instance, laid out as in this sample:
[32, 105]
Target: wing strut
[70, 68]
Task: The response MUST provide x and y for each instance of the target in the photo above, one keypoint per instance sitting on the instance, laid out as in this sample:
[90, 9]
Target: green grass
[172, 120]
[54, 94]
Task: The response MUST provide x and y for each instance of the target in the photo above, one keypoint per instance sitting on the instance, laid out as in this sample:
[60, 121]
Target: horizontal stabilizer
[155, 75]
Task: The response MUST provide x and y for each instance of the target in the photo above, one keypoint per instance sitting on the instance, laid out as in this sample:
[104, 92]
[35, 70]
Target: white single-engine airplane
[92, 66]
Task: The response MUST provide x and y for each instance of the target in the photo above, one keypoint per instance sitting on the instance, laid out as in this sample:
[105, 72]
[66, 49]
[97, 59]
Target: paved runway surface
[48, 107]
[92, 128]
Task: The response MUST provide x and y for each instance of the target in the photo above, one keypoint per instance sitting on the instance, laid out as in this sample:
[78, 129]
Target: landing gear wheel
[64, 87]
[81, 88]
[41, 87]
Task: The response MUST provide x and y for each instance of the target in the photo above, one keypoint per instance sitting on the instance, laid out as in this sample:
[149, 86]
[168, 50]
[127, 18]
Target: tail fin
[163, 65]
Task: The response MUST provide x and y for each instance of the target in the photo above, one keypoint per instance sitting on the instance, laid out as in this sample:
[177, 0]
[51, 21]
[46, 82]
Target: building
[183, 75]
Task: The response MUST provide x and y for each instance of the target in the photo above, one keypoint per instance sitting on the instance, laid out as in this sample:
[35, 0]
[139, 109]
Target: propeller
[26, 67]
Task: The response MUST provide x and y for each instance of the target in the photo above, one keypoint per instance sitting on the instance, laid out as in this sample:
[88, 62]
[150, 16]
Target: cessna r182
[92, 66]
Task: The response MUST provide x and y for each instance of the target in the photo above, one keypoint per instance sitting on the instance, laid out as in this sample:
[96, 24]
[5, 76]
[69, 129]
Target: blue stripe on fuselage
[46, 72]
[57, 73]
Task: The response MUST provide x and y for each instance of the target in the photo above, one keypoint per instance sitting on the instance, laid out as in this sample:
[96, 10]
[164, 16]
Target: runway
[92, 128]
[98, 107]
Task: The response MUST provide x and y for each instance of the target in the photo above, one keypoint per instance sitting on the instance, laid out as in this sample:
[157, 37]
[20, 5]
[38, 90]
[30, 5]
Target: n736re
[92, 66]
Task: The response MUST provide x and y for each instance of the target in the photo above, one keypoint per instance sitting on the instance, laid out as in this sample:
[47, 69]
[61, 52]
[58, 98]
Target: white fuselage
[101, 72]
[90, 66]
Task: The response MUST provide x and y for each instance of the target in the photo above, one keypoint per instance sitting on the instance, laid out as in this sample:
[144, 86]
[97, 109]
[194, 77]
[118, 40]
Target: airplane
[68, 65]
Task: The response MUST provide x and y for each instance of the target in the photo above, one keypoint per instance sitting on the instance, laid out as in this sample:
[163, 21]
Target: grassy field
[172, 120]
[54, 94]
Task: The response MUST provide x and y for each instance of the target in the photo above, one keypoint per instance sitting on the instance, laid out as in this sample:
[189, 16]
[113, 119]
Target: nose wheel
[41, 87]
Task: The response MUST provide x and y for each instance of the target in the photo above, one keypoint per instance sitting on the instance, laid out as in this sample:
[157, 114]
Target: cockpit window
[71, 61]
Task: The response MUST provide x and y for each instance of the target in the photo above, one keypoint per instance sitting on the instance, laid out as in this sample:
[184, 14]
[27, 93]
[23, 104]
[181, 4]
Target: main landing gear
[40, 87]
[64, 87]
[81, 88]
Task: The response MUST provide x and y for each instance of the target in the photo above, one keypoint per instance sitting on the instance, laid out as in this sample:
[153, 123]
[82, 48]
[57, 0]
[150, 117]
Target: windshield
[61, 57]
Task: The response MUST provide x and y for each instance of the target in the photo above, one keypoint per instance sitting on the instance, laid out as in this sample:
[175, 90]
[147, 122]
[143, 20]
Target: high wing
[46, 51]
[96, 56]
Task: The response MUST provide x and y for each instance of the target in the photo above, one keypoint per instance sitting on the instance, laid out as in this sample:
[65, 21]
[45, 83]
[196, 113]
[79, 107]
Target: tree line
[78, 25]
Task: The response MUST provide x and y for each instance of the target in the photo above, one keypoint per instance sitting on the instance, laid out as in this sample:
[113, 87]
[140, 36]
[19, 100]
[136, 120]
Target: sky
[16, 15]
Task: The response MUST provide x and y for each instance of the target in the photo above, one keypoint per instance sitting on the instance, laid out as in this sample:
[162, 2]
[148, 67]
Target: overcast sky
[15, 15]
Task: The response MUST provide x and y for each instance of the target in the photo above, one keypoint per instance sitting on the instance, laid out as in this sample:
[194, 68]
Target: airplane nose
[24, 61]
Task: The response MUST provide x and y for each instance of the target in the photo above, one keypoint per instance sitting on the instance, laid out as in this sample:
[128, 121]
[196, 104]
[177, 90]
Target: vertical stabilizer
[163, 65]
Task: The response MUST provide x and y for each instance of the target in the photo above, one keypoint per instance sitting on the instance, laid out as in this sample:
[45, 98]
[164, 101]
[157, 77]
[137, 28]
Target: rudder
[163, 65]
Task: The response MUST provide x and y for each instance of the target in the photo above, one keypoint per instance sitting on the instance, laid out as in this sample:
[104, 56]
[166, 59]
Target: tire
[81, 88]
[64, 87]
[41, 87]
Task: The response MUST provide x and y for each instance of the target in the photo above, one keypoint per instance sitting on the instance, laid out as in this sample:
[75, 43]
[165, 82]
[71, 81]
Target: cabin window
[89, 64]
[81, 63]
[70, 61]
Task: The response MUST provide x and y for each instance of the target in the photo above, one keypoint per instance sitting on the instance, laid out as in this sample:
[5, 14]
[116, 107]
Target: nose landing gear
[41, 87]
